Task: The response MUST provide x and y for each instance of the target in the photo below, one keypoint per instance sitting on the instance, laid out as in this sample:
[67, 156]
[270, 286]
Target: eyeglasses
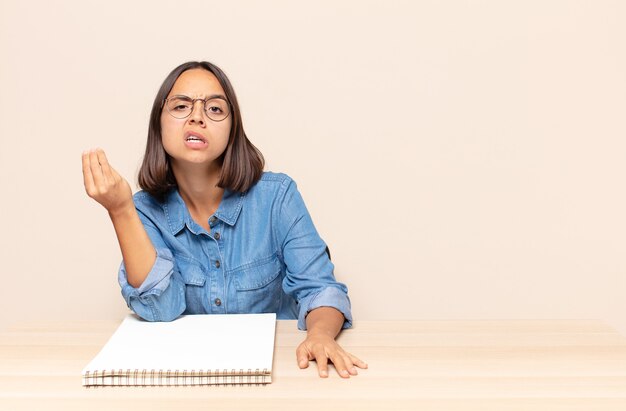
[216, 108]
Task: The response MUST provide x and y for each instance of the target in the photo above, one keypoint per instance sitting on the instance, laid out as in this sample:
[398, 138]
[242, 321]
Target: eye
[217, 106]
[179, 105]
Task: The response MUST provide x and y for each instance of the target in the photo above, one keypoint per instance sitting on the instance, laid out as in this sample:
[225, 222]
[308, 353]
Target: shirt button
[217, 264]
[218, 302]
[216, 236]
[212, 219]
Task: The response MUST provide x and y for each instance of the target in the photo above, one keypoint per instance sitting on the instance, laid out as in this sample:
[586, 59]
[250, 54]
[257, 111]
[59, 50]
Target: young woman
[210, 232]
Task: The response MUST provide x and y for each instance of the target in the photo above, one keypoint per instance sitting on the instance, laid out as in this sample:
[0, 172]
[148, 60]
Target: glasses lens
[179, 107]
[217, 109]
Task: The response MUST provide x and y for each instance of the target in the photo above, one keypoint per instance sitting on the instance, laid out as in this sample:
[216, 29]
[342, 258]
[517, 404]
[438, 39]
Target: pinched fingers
[96, 171]
[104, 176]
[104, 165]
[104, 184]
[112, 176]
[87, 176]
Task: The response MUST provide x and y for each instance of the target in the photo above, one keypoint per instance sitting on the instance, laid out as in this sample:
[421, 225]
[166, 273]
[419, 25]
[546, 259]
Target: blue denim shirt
[263, 254]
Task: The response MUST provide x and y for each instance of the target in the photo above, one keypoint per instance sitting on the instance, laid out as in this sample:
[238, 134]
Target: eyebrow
[208, 98]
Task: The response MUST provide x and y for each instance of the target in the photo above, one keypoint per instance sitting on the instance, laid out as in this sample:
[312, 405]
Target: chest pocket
[194, 278]
[258, 286]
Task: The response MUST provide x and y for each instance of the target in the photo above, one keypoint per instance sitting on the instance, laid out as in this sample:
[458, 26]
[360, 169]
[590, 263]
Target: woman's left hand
[322, 348]
[323, 324]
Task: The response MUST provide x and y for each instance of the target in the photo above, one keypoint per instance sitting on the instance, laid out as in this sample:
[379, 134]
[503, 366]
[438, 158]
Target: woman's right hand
[104, 184]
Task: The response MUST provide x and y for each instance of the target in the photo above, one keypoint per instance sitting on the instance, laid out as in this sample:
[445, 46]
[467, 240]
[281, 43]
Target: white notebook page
[191, 342]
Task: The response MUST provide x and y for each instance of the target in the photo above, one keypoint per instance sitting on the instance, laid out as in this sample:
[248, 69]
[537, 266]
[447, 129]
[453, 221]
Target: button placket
[217, 285]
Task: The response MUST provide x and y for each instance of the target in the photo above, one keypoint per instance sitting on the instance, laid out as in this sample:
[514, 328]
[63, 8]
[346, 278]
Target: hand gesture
[104, 184]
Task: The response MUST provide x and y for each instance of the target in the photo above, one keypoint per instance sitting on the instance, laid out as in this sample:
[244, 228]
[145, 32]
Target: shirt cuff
[157, 280]
[328, 297]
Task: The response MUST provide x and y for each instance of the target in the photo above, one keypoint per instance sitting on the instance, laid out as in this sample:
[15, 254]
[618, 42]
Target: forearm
[137, 249]
[324, 320]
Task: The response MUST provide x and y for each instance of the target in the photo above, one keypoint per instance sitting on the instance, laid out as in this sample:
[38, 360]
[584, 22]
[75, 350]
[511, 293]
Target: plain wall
[462, 159]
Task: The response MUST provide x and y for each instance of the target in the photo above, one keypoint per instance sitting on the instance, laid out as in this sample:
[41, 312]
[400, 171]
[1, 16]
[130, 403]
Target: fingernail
[324, 373]
[344, 372]
[353, 370]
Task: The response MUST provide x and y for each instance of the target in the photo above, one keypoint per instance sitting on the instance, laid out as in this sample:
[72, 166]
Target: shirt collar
[178, 215]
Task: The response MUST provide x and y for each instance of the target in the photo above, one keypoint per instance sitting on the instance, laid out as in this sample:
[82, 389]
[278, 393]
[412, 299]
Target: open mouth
[193, 138]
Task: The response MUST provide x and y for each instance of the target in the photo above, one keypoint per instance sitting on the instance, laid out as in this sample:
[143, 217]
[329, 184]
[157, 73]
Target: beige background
[463, 159]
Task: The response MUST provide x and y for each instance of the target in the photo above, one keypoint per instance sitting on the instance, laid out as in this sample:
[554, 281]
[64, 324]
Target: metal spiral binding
[169, 378]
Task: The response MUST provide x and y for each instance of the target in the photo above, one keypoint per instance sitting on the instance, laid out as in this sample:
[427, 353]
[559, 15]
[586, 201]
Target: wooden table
[413, 365]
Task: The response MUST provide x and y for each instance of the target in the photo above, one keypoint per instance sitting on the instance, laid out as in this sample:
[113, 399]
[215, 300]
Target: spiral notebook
[213, 349]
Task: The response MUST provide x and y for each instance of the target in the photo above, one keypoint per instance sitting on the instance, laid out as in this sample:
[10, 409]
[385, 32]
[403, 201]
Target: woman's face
[195, 139]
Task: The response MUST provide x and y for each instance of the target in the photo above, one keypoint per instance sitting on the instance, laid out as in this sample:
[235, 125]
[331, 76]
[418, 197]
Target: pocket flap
[191, 272]
[258, 274]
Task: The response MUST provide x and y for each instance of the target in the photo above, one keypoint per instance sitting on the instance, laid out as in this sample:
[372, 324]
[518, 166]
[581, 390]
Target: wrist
[324, 321]
[122, 212]
[321, 329]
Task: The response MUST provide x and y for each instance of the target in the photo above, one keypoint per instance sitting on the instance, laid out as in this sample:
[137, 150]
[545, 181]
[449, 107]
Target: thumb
[302, 356]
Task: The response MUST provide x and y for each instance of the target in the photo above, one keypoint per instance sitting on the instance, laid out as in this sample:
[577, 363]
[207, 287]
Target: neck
[197, 185]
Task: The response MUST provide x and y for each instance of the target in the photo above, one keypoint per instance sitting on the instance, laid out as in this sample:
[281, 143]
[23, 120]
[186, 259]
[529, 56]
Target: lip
[194, 134]
[195, 145]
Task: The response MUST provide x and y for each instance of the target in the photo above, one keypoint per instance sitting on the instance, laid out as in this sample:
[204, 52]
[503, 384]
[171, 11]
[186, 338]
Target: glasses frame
[193, 105]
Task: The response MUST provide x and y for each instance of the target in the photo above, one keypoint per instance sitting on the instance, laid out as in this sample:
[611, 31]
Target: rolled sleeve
[157, 280]
[158, 298]
[328, 297]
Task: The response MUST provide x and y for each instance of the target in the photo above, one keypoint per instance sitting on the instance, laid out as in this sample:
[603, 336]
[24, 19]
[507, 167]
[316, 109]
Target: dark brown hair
[242, 162]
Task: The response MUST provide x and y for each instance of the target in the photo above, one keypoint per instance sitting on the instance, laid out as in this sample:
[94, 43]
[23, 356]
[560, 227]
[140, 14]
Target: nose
[197, 113]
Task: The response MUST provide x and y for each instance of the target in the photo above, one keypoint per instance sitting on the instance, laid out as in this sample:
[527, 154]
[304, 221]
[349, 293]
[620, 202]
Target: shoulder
[271, 182]
[272, 190]
[269, 177]
[143, 197]
[146, 203]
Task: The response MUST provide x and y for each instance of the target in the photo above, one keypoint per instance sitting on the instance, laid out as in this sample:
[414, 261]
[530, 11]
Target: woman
[210, 232]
